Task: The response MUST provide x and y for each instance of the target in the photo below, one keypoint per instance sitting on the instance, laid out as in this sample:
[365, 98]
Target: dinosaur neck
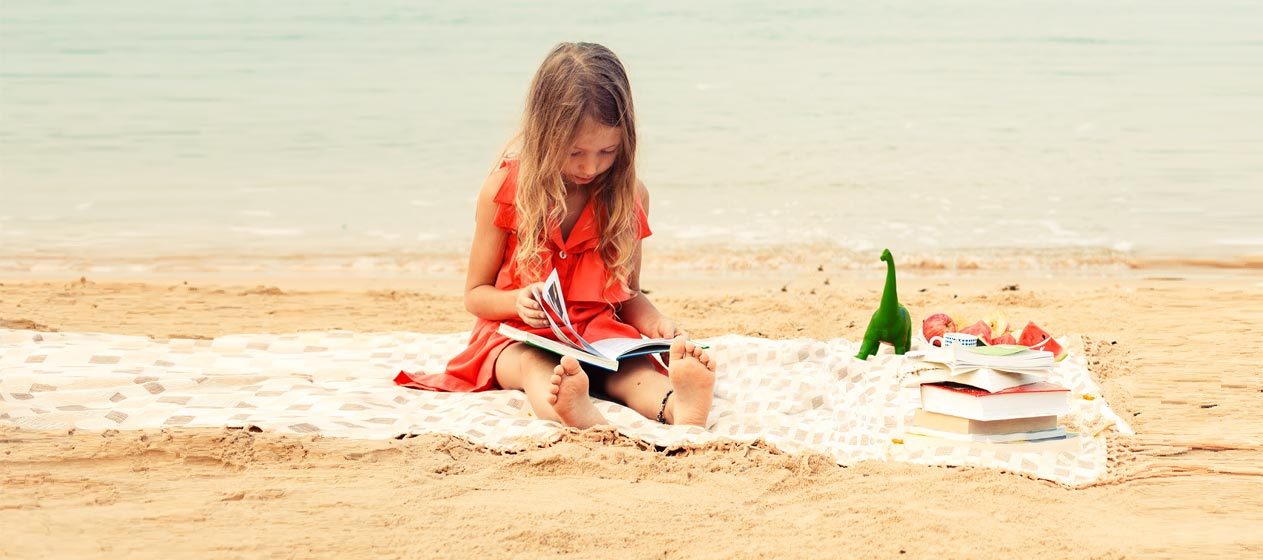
[890, 297]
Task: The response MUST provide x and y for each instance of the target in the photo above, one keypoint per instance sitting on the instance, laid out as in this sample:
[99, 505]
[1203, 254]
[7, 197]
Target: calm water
[1125, 129]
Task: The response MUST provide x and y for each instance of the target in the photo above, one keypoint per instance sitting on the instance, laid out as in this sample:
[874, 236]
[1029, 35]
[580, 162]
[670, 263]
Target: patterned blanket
[799, 395]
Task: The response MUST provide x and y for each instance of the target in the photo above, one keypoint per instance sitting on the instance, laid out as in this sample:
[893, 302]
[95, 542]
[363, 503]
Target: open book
[987, 379]
[1003, 358]
[601, 353]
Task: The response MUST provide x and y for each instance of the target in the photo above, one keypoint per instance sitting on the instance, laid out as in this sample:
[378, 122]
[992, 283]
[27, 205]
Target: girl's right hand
[530, 310]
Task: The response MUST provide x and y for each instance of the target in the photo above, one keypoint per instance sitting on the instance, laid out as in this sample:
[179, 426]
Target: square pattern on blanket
[799, 395]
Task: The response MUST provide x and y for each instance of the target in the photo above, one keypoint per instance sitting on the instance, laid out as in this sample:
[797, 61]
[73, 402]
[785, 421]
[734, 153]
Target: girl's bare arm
[486, 257]
[639, 311]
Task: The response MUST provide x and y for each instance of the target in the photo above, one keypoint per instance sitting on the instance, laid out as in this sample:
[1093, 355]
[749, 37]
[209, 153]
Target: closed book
[1033, 399]
[1039, 435]
[1068, 443]
[960, 425]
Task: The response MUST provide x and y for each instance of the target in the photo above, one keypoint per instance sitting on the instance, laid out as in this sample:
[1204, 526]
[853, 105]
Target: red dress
[583, 277]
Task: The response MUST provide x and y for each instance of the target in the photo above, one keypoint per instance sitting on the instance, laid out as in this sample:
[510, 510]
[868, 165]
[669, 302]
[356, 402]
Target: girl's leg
[557, 392]
[691, 381]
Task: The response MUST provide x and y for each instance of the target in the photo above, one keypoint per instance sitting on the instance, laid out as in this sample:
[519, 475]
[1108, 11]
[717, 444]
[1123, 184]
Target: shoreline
[670, 259]
[450, 280]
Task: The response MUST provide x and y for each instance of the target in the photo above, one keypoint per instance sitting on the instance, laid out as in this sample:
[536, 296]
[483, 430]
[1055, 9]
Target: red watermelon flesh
[1038, 339]
[981, 330]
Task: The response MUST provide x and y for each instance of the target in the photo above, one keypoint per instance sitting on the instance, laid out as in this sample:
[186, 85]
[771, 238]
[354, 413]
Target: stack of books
[992, 394]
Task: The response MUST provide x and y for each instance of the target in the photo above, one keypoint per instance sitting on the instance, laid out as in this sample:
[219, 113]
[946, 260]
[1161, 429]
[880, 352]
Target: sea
[963, 134]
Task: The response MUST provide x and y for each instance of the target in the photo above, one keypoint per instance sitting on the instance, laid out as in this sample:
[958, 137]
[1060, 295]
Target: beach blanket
[798, 395]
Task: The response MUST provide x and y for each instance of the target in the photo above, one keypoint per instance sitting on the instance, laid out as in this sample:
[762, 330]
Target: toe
[569, 366]
[677, 348]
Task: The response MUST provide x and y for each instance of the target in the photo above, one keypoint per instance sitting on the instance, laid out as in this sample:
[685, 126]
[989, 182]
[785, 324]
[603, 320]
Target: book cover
[960, 425]
[1034, 399]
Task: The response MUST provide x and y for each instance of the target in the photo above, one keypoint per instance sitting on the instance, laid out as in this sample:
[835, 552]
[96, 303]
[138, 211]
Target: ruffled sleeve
[642, 220]
[506, 199]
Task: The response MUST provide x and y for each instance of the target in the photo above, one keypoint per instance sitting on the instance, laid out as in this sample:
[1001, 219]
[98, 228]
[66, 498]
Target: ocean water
[980, 132]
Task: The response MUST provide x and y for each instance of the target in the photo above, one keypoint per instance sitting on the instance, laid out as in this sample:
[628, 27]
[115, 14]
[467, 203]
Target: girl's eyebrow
[605, 149]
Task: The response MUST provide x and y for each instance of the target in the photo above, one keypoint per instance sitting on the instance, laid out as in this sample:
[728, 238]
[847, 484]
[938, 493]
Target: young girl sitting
[570, 201]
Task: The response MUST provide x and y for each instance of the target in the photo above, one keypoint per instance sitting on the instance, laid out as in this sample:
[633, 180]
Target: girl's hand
[531, 312]
[664, 328]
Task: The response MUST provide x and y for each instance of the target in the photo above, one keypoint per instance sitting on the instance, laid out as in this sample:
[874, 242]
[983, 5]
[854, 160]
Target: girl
[570, 201]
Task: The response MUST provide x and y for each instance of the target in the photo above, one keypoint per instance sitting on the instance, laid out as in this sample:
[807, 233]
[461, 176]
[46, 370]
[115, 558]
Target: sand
[1175, 351]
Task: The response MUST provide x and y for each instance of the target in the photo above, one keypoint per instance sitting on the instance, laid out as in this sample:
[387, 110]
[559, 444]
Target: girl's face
[593, 153]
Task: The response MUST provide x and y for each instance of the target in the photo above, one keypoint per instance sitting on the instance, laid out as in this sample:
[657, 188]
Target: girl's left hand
[664, 328]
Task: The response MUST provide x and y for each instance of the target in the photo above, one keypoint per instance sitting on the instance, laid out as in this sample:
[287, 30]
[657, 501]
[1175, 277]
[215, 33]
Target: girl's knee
[535, 364]
[520, 364]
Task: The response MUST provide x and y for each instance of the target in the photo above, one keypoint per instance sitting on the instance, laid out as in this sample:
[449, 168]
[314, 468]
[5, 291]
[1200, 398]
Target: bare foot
[570, 396]
[692, 373]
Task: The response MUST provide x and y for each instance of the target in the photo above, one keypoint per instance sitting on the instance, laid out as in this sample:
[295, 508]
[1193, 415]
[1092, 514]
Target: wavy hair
[576, 81]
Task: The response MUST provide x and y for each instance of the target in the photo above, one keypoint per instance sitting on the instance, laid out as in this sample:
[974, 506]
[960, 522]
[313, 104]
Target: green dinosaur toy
[891, 323]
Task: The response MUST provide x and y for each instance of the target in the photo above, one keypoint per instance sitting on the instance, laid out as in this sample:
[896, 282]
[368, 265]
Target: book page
[558, 347]
[554, 304]
[553, 318]
[963, 359]
[1003, 353]
[617, 347]
[1023, 358]
[983, 378]
[998, 349]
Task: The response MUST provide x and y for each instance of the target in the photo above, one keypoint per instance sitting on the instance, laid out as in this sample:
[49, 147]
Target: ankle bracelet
[662, 413]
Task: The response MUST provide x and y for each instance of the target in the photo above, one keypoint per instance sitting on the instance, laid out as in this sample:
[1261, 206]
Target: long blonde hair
[576, 81]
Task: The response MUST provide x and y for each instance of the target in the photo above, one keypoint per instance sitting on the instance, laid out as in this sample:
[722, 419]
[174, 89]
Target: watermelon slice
[981, 330]
[1036, 338]
[1006, 338]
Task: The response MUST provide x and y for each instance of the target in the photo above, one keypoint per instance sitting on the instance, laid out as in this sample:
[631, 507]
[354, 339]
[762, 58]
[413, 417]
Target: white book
[603, 353]
[1057, 432]
[1008, 358]
[987, 379]
[1035, 399]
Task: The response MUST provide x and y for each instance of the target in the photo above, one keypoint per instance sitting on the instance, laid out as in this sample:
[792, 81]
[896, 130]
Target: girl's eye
[607, 152]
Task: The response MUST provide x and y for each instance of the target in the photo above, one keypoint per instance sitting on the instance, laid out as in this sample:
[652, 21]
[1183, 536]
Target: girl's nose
[588, 166]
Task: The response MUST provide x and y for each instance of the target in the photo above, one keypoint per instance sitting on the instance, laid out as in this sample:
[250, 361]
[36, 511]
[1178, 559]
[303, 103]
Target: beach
[1170, 348]
[185, 189]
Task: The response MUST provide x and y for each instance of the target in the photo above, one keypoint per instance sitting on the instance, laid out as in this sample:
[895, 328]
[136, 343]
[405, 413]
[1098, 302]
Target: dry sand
[1175, 353]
